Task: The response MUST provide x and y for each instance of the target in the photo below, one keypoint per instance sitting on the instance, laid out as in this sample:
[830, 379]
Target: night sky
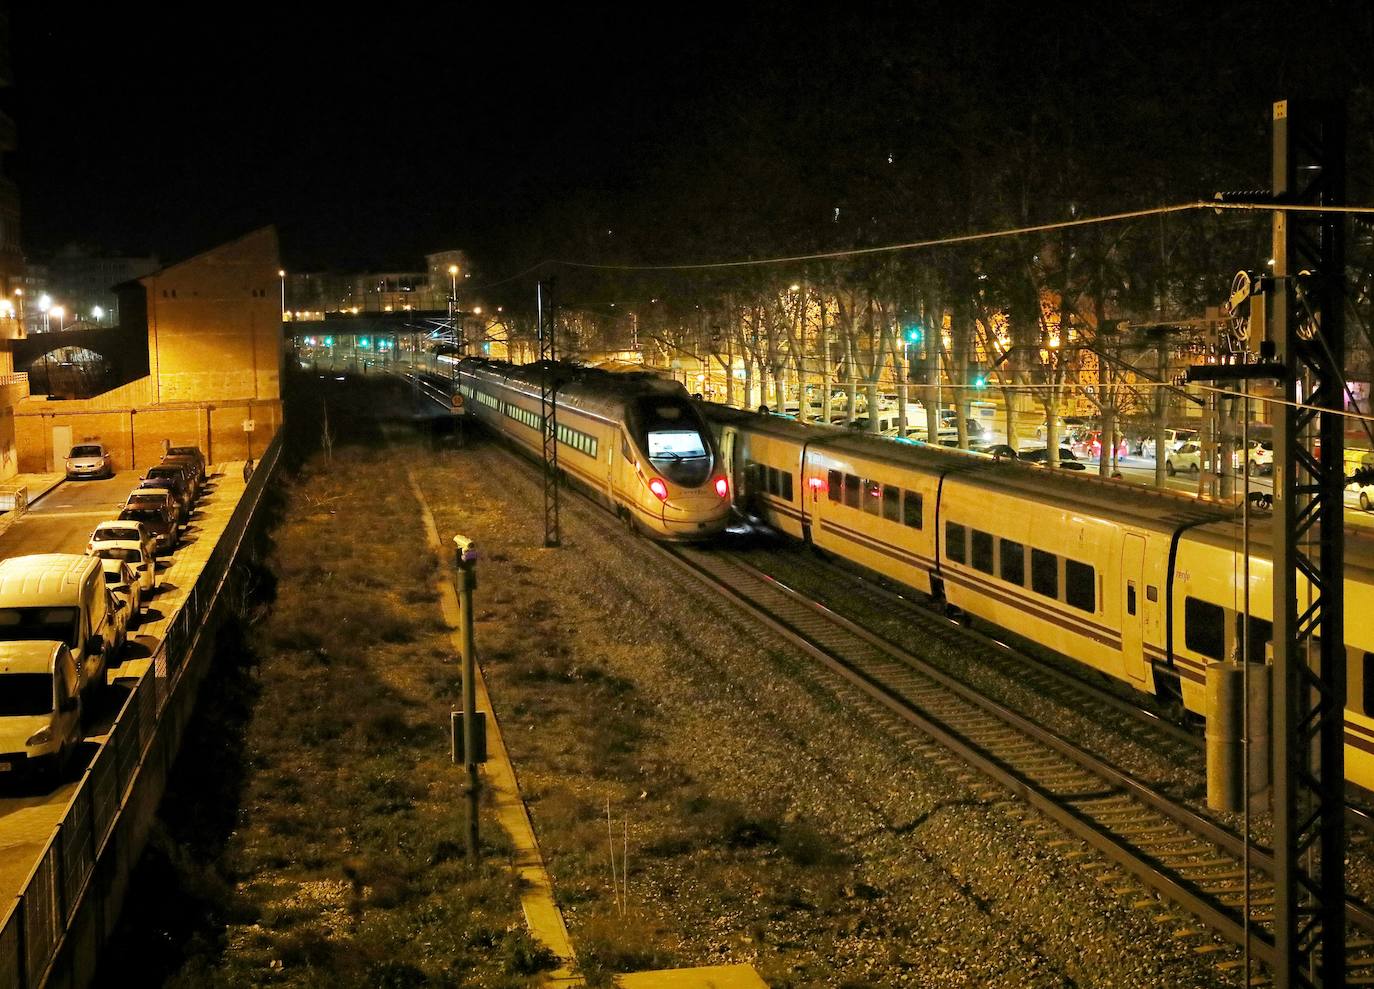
[373, 135]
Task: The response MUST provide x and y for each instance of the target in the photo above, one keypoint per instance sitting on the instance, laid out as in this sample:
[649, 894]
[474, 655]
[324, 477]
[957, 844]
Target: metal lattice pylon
[1308, 332]
[548, 409]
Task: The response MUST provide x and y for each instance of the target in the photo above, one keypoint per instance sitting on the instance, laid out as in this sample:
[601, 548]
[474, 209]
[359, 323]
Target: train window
[786, 487]
[851, 491]
[911, 510]
[773, 483]
[873, 497]
[1044, 573]
[1151, 592]
[981, 553]
[892, 503]
[834, 481]
[1013, 561]
[1204, 627]
[1080, 585]
[954, 542]
[1367, 669]
[1261, 632]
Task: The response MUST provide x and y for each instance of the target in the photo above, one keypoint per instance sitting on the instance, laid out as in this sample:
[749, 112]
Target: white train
[635, 441]
[1145, 586]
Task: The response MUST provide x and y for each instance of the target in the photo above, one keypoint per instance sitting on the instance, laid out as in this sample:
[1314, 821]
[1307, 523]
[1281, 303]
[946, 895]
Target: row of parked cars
[65, 617]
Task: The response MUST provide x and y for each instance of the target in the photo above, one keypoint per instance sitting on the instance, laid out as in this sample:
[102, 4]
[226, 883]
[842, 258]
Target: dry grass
[347, 865]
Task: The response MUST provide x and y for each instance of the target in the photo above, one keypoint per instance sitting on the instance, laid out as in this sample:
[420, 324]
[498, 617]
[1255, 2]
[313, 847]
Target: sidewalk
[35, 486]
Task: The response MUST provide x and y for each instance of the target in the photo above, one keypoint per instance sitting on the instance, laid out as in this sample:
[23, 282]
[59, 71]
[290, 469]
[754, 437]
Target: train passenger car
[635, 441]
[1074, 564]
[1145, 586]
[1207, 605]
[872, 500]
[763, 460]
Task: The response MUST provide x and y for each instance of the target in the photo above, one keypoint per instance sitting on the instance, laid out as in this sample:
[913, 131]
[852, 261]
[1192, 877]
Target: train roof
[1146, 507]
[588, 389]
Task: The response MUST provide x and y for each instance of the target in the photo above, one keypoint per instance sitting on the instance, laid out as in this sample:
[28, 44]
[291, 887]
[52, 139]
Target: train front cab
[670, 477]
[879, 515]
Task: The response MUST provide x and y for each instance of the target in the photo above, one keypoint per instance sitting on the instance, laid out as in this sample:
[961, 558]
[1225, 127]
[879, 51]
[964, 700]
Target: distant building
[213, 331]
[309, 295]
[82, 281]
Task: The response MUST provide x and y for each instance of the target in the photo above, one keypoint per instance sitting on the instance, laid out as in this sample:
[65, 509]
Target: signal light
[659, 489]
[980, 382]
[913, 334]
[722, 487]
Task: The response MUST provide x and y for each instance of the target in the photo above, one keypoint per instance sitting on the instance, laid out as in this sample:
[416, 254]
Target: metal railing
[42, 913]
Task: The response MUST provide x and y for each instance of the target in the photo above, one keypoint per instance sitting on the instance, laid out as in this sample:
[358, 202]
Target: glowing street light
[97, 313]
[281, 273]
[61, 313]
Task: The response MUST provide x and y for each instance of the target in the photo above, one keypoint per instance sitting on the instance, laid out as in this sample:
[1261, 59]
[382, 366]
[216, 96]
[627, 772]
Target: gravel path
[762, 818]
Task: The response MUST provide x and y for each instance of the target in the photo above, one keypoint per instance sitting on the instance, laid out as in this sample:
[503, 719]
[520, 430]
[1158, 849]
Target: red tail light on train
[722, 487]
[659, 489]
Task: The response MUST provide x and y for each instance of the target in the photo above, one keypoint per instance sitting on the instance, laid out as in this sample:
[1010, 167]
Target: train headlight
[722, 487]
[659, 489]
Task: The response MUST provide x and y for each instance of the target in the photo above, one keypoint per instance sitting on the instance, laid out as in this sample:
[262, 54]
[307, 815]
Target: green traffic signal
[913, 334]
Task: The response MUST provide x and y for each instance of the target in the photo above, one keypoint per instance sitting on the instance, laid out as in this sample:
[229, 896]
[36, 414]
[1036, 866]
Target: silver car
[89, 460]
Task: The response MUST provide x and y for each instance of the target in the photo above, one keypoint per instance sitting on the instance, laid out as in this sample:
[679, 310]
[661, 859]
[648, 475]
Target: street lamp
[61, 313]
[453, 307]
[281, 273]
[97, 313]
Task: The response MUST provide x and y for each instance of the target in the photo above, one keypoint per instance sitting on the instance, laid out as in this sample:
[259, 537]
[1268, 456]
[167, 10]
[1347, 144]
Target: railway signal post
[469, 732]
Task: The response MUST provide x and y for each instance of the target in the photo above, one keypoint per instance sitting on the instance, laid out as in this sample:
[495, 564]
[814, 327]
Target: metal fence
[43, 913]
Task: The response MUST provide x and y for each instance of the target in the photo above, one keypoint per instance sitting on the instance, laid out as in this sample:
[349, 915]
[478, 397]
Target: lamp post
[61, 313]
[97, 313]
[453, 306]
[44, 305]
[281, 274]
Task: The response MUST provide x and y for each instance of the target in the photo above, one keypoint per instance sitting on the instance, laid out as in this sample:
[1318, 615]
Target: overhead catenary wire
[933, 242]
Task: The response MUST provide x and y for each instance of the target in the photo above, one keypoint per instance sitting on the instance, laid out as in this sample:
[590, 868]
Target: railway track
[1186, 858]
[1059, 685]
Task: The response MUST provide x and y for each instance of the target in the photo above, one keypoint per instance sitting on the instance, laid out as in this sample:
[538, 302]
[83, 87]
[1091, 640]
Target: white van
[40, 708]
[61, 597]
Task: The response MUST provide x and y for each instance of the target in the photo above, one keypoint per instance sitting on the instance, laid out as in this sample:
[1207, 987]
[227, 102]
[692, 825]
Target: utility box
[456, 723]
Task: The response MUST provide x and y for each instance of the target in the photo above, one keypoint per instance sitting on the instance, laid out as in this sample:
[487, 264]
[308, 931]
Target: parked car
[194, 453]
[1186, 457]
[180, 475]
[1366, 496]
[998, 451]
[61, 597]
[1090, 445]
[125, 588]
[161, 486]
[161, 522]
[154, 498]
[195, 471]
[1173, 439]
[1261, 457]
[1041, 456]
[1067, 424]
[89, 460]
[132, 555]
[122, 533]
[40, 708]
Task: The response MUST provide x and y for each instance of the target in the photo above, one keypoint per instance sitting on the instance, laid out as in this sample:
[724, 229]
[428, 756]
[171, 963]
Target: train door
[728, 438]
[1133, 605]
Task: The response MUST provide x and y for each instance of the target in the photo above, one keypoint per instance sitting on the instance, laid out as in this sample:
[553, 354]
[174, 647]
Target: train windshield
[673, 435]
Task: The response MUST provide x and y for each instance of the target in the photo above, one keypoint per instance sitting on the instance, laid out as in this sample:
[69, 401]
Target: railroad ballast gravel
[925, 874]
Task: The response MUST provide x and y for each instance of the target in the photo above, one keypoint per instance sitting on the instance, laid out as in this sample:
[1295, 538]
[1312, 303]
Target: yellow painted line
[542, 916]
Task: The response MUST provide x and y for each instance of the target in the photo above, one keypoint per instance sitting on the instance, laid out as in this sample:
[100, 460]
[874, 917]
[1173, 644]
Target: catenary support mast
[548, 409]
[1308, 332]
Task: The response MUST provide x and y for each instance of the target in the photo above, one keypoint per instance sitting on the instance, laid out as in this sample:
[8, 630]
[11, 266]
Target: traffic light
[913, 334]
[977, 375]
[980, 381]
[329, 341]
[364, 343]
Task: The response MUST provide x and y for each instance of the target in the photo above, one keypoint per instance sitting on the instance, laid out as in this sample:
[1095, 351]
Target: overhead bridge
[125, 349]
[370, 324]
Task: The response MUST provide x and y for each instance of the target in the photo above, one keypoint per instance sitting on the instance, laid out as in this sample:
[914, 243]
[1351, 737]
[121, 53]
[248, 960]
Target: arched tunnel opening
[70, 372]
